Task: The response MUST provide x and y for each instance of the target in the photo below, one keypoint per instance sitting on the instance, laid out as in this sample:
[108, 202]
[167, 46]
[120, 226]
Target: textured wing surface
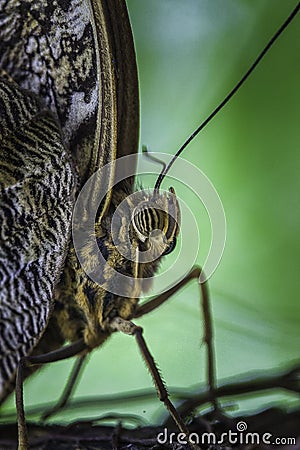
[48, 47]
[37, 184]
[77, 56]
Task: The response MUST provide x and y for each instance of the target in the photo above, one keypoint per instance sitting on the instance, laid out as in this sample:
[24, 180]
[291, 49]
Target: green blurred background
[190, 54]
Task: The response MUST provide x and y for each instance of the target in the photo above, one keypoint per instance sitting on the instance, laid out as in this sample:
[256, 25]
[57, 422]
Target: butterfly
[82, 176]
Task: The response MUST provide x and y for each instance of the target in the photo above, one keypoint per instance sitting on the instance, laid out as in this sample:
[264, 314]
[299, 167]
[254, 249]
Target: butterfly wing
[79, 59]
[37, 183]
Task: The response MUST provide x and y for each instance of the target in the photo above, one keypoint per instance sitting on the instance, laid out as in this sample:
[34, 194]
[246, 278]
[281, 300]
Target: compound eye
[146, 218]
[170, 247]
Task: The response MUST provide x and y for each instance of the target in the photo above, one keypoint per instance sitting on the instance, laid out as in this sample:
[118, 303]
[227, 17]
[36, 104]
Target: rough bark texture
[87, 436]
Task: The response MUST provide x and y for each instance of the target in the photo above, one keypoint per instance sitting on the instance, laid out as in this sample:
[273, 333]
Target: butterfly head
[155, 222]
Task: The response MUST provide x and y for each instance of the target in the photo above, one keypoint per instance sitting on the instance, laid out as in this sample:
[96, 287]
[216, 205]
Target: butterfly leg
[56, 355]
[128, 327]
[69, 388]
[154, 303]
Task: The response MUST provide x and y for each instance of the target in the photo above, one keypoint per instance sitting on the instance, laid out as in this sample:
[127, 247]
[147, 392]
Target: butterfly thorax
[103, 282]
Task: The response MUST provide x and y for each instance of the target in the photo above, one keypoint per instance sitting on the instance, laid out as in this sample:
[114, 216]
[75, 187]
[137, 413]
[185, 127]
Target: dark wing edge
[119, 123]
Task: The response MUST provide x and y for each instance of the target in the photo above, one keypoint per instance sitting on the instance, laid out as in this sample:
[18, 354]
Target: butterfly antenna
[166, 169]
[153, 158]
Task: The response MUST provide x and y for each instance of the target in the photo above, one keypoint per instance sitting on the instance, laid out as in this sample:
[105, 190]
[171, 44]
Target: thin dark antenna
[153, 158]
[227, 98]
